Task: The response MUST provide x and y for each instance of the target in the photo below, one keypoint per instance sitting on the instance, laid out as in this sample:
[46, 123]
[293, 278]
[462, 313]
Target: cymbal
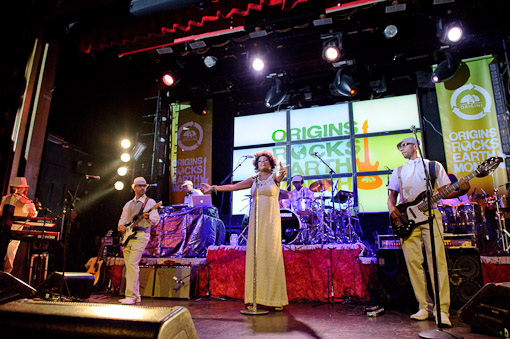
[320, 185]
[284, 195]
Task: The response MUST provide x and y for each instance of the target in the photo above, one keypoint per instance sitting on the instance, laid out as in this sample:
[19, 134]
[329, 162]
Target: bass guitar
[413, 213]
[132, 227]
[97, 267]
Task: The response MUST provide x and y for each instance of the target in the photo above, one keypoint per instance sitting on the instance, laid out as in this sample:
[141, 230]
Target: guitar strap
[433, 178]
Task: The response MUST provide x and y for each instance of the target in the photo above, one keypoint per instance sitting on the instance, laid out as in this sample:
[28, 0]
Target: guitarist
[408, 180]
[135, 247]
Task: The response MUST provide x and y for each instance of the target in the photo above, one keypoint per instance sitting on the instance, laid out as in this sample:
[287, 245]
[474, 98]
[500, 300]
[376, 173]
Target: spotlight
[344, 84]
[122, 171]
[125, 143]
[119, 185]
[332, 48]
[450, 33]
[454, 33]
[137, 150]
[210, 61]
[276, 94]
[168, 79]
[257, 64]
[125, 157]
[390, 31]
[446, 69]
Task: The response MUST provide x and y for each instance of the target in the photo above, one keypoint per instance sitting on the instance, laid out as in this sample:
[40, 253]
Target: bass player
[134, 248]
[409, 181]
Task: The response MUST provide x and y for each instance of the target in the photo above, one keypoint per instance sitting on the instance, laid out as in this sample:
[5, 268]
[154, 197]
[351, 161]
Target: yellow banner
[191, 147]
[469, 123]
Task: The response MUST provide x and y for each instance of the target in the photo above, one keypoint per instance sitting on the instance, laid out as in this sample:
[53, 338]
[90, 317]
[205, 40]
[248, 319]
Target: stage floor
[215, 318]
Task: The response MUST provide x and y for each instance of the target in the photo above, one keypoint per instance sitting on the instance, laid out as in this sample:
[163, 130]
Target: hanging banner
[191, 147]
[470, 125]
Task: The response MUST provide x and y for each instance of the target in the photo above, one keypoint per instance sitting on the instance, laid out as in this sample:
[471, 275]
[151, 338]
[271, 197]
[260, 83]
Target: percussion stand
[503, 233]
[351, 231]
[330, 229]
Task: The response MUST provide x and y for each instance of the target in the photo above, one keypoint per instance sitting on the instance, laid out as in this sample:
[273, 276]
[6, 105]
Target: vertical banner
[191, 149]
[469, 123]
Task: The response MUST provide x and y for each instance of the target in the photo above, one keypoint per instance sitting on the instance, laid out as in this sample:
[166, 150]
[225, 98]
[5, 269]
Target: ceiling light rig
[446, 69]
[450, 32]
[343, 83]
[332, 49]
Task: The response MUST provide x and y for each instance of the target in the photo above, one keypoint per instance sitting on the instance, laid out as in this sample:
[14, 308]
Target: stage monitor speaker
[79, 284]
[12, 288]
[175, 282]
[489, 310]
[44, 319]
[395, 289]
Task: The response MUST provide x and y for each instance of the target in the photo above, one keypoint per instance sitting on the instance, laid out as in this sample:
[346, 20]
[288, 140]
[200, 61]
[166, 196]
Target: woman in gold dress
[271, 288]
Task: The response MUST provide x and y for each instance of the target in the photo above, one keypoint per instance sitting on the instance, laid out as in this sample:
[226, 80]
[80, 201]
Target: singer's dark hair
[269, 155]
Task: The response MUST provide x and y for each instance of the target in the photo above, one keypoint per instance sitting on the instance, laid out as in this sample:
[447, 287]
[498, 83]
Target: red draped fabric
[148, 31]
[307, 272]
[495, 269]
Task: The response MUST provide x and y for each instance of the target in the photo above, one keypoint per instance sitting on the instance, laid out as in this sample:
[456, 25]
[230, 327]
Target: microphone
[484, 192]
[256, 175]
[315, 154]
[248, 156]
[179, 281]
[389, 169]
[152, 185]
[413, 128]
[92, 177]
[473, 194]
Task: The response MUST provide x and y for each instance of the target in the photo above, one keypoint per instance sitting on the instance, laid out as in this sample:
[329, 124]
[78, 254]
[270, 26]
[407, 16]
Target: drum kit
[307, 221]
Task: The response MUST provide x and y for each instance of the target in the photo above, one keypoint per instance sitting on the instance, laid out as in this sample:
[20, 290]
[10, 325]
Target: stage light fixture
[125, 143]
[451, 32]
[168, 79]
[332, 49]
[119, 185]
[125, 157]
[122, 171]
[344, 84]
[210, 61]
[446, 69]
[258, 64]
[137, 150]
[390, 31]
[276, 94]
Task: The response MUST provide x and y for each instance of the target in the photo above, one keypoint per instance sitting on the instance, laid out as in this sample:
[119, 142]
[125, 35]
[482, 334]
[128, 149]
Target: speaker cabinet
[395, 289]
[174, 282]
[465, 272]
[40, 319]
[79, 285]
[11, 288]
[489, 310]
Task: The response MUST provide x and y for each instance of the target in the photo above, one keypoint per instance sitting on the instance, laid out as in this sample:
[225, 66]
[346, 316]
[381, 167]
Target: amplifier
[38, 269]
[391, 241]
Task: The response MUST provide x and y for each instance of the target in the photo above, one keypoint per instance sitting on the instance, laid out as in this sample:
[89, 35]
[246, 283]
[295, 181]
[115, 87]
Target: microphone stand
[438, 333]
[387, 184]
[223, 193]
[331, 172]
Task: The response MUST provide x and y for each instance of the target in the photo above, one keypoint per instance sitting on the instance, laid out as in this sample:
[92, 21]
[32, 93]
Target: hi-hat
[284, 195]
[320, 185]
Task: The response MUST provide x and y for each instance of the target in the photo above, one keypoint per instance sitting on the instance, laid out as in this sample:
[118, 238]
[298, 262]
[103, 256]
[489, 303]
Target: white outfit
[134, 249]
[412, 178]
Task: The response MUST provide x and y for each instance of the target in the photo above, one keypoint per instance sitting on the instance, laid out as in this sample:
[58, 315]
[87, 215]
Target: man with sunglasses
[409, 181]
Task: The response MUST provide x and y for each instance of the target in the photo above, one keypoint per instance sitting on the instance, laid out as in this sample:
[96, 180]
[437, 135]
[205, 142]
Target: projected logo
[470, 102]
[189, 136]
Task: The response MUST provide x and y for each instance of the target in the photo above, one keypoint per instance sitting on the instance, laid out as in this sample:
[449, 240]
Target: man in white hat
[23, 207]
[187, 185]
[302, 197]
[409, 181]
[133, 250]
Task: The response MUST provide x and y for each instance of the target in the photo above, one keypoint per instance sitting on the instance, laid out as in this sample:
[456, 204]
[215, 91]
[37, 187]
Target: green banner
[469, 123]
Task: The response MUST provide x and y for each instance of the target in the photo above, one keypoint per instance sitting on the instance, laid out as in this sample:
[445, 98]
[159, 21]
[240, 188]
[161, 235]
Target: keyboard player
[23, 207]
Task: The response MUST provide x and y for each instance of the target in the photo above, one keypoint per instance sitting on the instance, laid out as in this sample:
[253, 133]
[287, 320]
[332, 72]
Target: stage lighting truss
[332, 49]
[450, 32]
[343, 83]
[446, 69]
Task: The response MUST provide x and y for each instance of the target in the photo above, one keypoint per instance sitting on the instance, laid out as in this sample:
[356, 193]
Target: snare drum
[469, 218]
[302, 206]
[447, 217]
[291, 226]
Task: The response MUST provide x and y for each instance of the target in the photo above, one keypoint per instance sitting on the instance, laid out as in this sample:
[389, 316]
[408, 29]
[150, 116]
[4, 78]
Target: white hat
[19, 182]
[139, 181]
[186, 183]
[297, 177]
[409, 140]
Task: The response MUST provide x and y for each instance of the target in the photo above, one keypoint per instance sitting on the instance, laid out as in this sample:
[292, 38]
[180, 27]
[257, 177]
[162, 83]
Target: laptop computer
[201, 201]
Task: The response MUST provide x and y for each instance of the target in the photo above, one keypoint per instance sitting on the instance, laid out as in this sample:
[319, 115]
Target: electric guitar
[97, 267]
[132, 227]
[413, 213]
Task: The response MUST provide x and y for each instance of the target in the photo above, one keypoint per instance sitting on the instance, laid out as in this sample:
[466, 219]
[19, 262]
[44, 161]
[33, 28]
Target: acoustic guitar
[98, 267]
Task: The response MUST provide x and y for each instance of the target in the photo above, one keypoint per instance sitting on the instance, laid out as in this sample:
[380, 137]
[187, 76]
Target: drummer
[301, 196]
[455, 201]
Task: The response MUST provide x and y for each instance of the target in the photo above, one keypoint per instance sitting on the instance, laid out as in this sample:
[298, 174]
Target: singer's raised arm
[206, 188]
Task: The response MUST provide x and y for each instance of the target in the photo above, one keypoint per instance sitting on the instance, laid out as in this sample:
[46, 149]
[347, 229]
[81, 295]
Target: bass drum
[291, 226]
